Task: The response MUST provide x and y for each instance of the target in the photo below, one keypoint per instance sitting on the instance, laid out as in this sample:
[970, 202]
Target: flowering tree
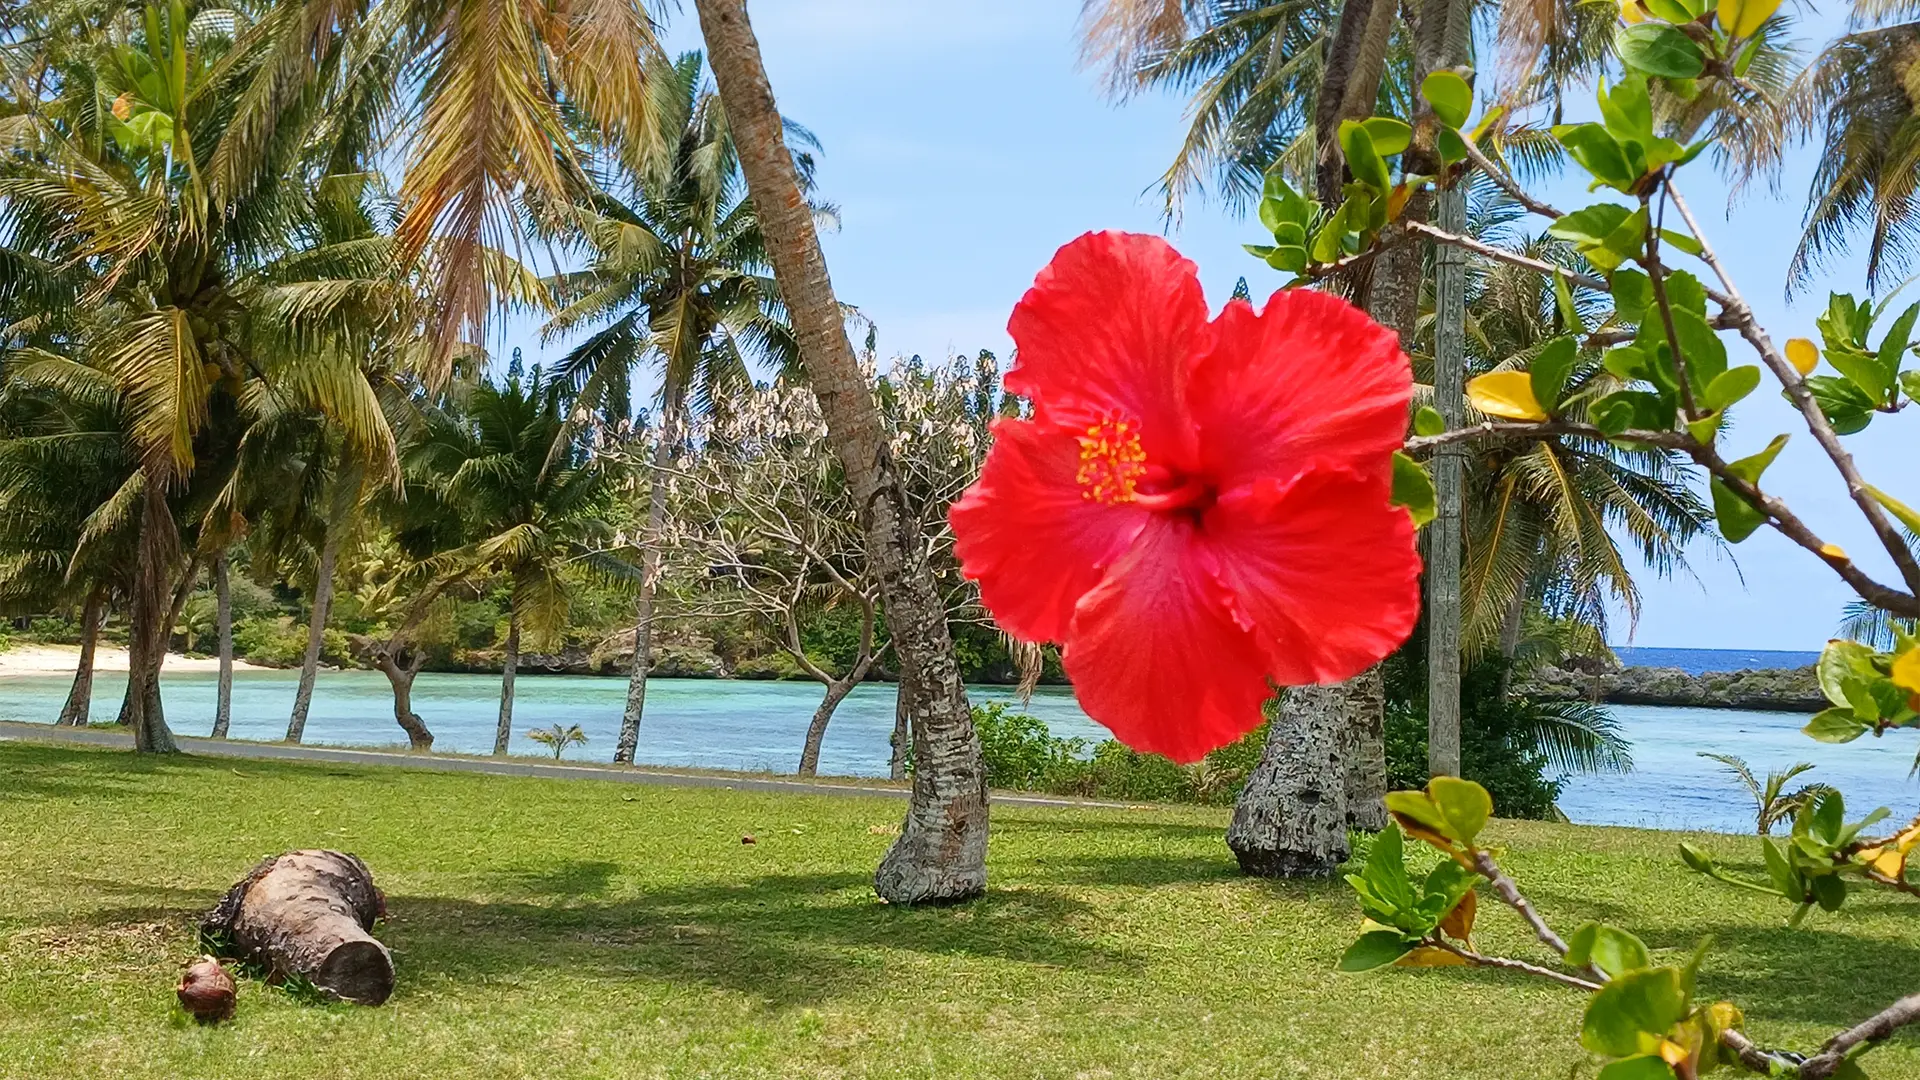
[1665, 380]
[760, 521]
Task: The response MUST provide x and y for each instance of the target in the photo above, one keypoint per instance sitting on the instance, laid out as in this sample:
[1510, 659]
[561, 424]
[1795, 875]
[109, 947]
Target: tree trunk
[1366, 750]
[629, 744]
[147, 641]
[1510, 630]
[307, 914]
[223, 620]
[817, 730]
[400, 677]
[902, 730]
[80, 699]
[1291, 819]
[316, 633]
[942, 850]
[1442, 41]
[503, 731]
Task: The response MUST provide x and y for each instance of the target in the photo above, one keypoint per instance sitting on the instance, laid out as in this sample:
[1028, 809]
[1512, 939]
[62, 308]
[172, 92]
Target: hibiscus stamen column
[942, 850]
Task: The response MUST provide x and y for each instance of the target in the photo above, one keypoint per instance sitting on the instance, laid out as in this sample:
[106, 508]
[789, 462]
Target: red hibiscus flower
[1196, 507]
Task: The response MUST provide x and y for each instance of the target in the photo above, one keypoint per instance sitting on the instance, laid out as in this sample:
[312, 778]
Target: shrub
[1020, 752]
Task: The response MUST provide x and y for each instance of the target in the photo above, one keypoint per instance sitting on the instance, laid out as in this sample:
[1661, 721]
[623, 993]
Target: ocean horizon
[1701, 661]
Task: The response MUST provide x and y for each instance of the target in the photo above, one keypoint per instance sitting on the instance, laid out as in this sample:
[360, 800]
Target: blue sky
[964, 147]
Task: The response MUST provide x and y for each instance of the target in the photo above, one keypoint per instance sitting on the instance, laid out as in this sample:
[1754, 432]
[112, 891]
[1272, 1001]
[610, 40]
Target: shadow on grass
[1825, 976]
[1138, 870]
[783, 940]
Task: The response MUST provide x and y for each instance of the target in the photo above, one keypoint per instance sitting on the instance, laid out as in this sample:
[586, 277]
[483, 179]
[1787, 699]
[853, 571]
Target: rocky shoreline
[1768, 690]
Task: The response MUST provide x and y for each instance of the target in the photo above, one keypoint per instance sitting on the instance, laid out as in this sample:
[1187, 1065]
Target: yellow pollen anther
[1111, 461]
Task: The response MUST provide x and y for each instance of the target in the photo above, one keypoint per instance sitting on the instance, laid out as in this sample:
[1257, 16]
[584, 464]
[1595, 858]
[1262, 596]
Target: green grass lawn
[551, 929]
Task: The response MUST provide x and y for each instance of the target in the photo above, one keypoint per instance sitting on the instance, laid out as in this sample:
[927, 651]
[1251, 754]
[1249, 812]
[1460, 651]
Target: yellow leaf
[1890, 863]
[1743, 18]
[1428, 956]
[1804, 355]
[1834, 551]
[1507, 394]
[1672, 1052]
[1631, 11]
[1458, 923]
[1906, 670]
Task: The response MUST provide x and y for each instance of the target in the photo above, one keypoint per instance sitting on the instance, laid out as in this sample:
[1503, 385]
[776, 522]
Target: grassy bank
[547, 928]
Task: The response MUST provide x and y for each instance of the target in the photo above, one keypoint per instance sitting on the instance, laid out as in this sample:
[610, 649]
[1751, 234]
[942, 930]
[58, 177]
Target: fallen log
[307, 914]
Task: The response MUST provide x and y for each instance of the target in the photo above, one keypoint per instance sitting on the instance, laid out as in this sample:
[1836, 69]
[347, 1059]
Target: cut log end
[306, 914]
[357, 971]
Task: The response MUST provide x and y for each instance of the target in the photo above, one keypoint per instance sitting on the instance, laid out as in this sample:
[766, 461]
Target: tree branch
[1498, 254]
[1738, 313]
[1510, 964]
[1872, 1030]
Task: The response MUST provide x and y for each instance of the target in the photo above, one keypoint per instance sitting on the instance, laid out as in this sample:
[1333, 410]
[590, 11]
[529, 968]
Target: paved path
[234, 748]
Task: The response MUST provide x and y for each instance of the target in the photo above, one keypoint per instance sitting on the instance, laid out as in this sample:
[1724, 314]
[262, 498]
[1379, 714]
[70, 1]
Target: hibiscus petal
[1310, 379]
[1111, 327]
[1026, 532]
[1323, 566]
[1155, 653]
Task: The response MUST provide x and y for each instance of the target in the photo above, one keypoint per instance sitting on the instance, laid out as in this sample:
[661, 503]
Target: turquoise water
[760, 726]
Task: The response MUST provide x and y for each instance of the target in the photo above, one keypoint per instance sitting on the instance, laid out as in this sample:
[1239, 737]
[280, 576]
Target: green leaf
[1645, 1002]
[1731, 386]
[1551, 368]
[1910, 382]
[1451, 147]
[1899, 336]
[1705, 353]
[1590, 225]
[1659, 49]
[1829, 891]
[1622, 244]
[1465, 805]
[1386, 870]
[1751, 467]
[1608, 948]
[1390, 136]
[1598, 152]
[1632, 294]
[1696, 858]
[1839, 661]
[1627, 110]
[1289, 258]
[1563, 297]
[1834, 725]
[1638, 1067]
[1375, 949]
[1907, 515]
[1827, 817]
[1428, 421]
[1682, 241]
[1738, 518]
[1864, 371]
[1363, 161]
[1780, 869]
[1670, 10]
[1418, 811]
[1413, 489]
[1845, 405]
[1450, 97]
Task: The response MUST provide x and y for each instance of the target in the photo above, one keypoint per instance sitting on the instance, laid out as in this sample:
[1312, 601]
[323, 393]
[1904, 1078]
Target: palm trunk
[223, 626]
[1442, 41]
[316, 634]
[80, 698]
[902, 730]
[628, 746]
[400, 677]
[1275, 839]
[1291, 818]
[147, 642]
[942, 850]
[503, 731]
[817, 729]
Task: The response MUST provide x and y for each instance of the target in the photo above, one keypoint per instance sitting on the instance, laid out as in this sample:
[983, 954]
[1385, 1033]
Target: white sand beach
[65, 660]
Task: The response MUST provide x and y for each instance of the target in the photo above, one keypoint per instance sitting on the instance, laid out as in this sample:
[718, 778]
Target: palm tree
[1772, 802]
[208, 294]
[509, 465]
[558, 737]
[1554, 526]
[941, 852]
[678, 278]
[1853, 102]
